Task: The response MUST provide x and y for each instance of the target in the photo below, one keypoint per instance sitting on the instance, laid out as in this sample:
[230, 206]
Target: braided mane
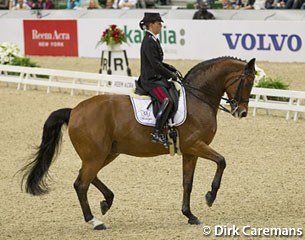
[205, 65]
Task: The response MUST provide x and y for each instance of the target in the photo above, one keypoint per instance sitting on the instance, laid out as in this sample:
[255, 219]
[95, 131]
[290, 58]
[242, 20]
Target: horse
[102, 127]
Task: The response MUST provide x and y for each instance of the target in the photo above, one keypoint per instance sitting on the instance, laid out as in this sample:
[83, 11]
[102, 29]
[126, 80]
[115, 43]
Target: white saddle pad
[146, 116]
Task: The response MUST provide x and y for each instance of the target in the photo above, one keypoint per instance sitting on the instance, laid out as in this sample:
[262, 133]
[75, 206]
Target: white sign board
[276, 41]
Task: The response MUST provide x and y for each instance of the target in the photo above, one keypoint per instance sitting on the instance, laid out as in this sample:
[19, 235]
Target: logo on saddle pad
[145, 116]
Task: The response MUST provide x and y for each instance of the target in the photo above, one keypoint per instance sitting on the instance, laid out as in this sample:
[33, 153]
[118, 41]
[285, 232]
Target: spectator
[109, 4]
[49, 4]
[73, 4]
[294, 4]
[275, 4]
[202, 12]
[36, 4]
[21, 5]
[5, 4]
[226, 4]
[237, 4]
[259, 4]
[163, 2]
[250, 4]
[93, 4]
[125, 4]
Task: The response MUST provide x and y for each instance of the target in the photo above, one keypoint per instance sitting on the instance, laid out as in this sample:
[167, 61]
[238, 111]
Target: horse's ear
[250, 67]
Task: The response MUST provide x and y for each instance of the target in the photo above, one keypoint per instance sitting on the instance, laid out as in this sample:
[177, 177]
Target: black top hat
[150, 17]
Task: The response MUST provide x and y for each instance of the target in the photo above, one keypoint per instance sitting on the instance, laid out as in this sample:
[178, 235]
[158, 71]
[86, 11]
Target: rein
[234, 102]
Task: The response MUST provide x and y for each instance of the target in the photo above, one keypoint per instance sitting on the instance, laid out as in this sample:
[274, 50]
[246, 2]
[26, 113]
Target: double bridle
[234, 102]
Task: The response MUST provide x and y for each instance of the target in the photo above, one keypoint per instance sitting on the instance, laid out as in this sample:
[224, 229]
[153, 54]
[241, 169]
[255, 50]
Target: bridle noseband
[237, 99]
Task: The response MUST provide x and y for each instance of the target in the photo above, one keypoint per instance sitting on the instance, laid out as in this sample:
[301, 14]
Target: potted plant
[113, 37]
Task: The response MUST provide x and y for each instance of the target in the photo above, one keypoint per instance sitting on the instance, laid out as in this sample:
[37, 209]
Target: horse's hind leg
[108, 195]
[86, 175]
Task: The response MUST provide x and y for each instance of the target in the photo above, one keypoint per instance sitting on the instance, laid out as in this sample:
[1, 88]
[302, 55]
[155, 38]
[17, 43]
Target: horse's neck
[213, 87]
[212, 80]
[217, 80]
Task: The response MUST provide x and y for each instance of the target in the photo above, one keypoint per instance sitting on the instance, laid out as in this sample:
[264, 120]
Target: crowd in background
[131, 4]
[75, 4]
[264, 4]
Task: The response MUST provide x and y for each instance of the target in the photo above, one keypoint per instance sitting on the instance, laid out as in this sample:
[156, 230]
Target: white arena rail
[295, 101]
[51, 78]
[115, 84]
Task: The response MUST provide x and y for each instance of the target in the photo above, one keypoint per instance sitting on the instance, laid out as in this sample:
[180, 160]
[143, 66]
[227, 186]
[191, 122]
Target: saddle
[172, 134]
[174, 92]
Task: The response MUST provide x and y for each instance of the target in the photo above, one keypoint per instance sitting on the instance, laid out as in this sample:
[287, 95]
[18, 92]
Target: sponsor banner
[50, 37]
[277, 41]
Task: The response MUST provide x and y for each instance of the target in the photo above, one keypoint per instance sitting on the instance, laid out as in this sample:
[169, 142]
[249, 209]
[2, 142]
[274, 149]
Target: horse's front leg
[207, 152]
[189, 164]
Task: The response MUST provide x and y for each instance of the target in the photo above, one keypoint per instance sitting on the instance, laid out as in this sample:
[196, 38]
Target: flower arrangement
[259, 75]
[8, 52]
[113, 36]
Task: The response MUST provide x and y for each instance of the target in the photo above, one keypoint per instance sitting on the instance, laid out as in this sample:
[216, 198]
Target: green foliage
[216, 5]
[268, 82]
[24, 62]
[190, 4]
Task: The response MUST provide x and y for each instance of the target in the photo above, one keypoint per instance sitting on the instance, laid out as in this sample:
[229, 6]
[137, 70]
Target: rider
[155, 74]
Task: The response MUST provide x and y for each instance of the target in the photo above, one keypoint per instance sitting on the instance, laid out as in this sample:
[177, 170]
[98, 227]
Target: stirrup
[159, 138]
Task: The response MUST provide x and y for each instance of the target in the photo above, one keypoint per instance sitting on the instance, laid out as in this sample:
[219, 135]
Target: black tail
[37, 170]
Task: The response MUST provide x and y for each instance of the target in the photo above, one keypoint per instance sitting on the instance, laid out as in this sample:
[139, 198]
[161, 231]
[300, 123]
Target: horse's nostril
[244, 114]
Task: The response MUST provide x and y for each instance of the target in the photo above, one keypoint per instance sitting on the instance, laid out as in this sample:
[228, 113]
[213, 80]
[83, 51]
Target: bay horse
[102, 127]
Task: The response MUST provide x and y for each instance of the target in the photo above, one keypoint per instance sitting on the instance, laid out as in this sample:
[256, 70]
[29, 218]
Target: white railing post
[257, 97]
[296, 113]
[26, 80]
[21, 76]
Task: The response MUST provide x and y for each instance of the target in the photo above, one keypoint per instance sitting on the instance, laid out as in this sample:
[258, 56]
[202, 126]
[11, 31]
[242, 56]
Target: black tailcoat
[153, 72]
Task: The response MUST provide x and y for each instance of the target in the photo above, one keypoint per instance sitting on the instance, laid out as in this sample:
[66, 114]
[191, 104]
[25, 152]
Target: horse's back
[101, 108]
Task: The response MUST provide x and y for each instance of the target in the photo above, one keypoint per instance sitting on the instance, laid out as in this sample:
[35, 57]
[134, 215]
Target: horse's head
[239, 89]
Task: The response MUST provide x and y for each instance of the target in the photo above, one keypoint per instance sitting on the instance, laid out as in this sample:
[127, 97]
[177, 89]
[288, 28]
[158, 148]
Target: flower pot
[114, 47]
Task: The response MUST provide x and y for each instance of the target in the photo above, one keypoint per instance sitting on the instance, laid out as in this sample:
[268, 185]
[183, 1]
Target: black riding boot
[158, 136]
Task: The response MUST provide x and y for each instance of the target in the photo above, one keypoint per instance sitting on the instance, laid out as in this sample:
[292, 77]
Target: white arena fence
[290, 101]
[73, 80]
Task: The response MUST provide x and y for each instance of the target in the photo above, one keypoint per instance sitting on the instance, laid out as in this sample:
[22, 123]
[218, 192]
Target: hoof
[104, 207]
[100, 227]
[194, 221]
[209, 199]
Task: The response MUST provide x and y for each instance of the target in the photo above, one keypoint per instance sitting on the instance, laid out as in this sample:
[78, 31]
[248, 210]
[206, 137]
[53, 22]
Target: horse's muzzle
[238, 113]
[243, 114]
